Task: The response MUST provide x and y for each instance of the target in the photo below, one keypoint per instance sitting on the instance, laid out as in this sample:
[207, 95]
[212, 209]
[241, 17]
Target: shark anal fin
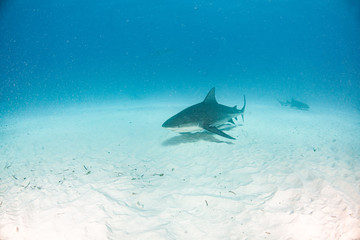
[218, 132]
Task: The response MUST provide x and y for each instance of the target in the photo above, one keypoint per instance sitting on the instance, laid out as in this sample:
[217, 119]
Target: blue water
[56, 52]
[100, 170]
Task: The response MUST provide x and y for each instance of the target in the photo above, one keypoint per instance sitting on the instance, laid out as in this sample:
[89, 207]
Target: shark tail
[283, 103]
[243, 109]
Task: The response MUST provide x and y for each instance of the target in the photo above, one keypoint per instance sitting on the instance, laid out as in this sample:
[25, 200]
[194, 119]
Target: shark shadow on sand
[188, 137]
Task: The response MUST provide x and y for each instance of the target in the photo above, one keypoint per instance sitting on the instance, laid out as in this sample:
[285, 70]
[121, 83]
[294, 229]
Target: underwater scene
[135, 119]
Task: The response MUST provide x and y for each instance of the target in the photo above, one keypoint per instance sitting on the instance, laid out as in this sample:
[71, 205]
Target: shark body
[295, 104]
[207, 115]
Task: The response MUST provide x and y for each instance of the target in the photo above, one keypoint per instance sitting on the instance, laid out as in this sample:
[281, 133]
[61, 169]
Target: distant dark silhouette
[295, 104]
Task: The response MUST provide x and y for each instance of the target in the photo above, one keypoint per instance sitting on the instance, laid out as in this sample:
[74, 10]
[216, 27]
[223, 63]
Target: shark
[206, 115]
[295, 104]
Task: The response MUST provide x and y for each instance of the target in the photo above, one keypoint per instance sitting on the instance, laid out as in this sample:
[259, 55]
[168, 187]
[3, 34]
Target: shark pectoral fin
[217, 131]
[231, 121]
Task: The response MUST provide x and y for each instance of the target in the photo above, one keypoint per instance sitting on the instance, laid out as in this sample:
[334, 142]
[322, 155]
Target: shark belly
[220, 122]
[187, 129]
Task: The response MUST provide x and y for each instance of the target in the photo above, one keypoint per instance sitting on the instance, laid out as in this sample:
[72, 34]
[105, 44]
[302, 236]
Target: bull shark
[295, 104]
[207, 115]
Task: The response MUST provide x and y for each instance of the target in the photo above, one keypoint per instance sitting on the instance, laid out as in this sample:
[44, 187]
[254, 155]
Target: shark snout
[171, 123]
[167, 124]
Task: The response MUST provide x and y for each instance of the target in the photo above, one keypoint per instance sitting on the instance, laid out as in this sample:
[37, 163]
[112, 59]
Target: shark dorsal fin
[210, 97]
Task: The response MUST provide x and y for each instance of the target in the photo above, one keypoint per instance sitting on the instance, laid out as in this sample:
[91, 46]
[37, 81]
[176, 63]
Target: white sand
[112, 172]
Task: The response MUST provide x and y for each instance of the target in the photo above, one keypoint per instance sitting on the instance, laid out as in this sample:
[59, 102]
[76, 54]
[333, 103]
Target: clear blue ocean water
[85, 87]
[61, 52]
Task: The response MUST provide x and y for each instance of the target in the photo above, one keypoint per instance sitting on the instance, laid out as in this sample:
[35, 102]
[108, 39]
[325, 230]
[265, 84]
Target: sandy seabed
[112, 172]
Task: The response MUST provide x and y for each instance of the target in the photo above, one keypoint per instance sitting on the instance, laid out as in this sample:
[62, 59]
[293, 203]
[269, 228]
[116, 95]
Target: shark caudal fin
[243, 109]
[283, 103]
